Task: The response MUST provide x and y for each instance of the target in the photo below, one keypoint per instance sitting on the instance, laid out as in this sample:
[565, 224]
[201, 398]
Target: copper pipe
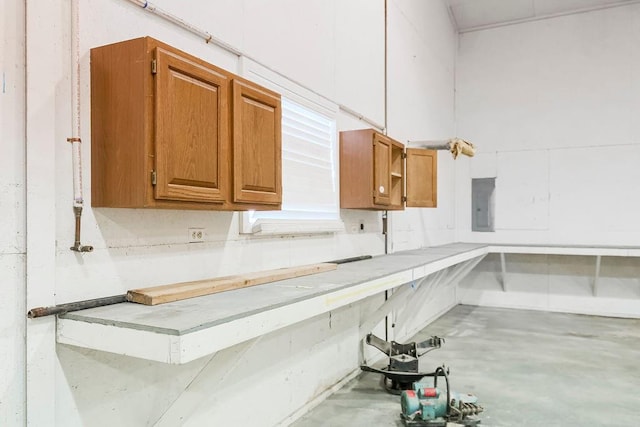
[77, 210]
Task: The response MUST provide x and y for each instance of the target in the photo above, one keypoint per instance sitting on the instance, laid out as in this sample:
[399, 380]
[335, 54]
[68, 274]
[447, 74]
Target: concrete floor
[527, 368]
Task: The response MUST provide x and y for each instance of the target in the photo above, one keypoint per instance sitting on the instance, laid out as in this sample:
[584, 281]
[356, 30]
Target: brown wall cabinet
[377, 173]
[169, 130]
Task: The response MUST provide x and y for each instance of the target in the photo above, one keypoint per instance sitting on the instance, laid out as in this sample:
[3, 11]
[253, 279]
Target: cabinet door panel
[191, 130]
[422, 178]
[257, 145]
[381, 170]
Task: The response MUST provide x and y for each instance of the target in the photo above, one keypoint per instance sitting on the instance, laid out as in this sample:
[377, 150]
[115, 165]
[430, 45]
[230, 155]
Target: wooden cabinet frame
[168, 130]
[190, 105]
[257, 144]
[377, 173]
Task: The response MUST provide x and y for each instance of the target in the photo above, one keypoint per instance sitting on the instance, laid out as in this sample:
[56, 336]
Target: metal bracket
[503, 264]
[435, 283]
[596, 276]
[396, 299]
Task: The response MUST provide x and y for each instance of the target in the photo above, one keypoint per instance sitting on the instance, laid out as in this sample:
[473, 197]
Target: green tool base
[439, 422]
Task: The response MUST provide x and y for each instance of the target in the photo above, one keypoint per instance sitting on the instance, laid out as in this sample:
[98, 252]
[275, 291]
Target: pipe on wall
[76, 142]
[211, 39]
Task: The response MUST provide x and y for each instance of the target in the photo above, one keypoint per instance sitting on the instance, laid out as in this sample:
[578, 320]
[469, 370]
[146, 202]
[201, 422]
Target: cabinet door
[257, 145]
[382, 147]
[422, 178]
[191, 130]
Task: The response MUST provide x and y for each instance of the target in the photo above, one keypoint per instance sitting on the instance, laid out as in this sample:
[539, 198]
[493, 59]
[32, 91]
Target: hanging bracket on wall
[457, 146]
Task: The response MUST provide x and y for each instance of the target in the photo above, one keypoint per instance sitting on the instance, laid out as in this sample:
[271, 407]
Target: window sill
[290, 227]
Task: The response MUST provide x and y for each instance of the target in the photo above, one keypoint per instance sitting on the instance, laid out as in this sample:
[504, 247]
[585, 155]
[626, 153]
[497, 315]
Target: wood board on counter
[179, 291]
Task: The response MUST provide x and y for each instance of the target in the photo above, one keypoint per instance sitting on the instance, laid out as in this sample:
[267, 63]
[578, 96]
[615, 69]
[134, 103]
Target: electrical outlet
[196, 235]
[361, 226]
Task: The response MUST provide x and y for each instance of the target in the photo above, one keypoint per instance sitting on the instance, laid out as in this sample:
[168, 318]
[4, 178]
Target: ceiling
[470, 15]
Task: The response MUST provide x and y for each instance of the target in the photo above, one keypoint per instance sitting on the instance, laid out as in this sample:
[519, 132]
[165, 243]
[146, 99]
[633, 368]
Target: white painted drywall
[12, 214]
[552, 107]
[556, 283]
[267, 379]
[336, 49]
[421, 57]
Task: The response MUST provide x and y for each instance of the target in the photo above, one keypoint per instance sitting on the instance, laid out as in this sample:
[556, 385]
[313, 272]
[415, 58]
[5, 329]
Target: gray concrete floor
[527, 368]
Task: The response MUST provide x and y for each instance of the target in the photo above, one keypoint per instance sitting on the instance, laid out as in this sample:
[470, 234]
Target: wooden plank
[179, 291]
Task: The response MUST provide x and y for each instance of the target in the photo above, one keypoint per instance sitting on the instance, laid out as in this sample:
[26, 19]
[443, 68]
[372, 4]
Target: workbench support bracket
[421, 295]
[215, 371]
[503, 264]
[442, 279]
[398, 297]
[597, 275]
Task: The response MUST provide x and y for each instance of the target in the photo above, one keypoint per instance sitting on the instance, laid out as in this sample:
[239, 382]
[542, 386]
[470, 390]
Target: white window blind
[309, 169]
[310, 198]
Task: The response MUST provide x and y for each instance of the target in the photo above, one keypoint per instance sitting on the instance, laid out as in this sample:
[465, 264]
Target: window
[310, 202]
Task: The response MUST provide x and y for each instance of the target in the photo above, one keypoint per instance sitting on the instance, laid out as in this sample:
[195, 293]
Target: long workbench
[182, 331]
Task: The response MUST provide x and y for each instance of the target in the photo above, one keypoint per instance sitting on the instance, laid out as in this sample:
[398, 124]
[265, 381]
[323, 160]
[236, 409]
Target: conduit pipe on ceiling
[211, 39]
[76, 142]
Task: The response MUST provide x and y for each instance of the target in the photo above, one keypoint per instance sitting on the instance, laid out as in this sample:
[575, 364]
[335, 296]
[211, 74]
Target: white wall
[12, 212]
[421, 57]
[267, 379]
[552, 107]
[565, 284]
[126, 238]
[334, 48]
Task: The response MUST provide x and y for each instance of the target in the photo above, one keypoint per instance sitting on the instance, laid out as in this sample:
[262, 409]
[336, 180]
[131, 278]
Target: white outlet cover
[196, 235]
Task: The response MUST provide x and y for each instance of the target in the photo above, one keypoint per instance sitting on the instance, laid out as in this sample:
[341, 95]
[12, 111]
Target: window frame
[248, 225]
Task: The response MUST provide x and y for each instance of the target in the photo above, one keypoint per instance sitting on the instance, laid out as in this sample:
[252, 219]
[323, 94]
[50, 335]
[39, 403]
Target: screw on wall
[196, 235]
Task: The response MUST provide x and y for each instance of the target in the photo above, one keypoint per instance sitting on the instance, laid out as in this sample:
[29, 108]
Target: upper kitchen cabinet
[376, 172]
[166, 133]
[257, 144]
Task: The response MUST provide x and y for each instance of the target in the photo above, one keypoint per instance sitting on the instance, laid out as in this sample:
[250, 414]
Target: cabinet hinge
[404, 155]
[404, 198]
[154, 178]
[154, 66]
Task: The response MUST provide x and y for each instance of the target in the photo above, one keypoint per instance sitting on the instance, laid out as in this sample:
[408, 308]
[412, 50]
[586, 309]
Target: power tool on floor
[422, 404]
[429, 405]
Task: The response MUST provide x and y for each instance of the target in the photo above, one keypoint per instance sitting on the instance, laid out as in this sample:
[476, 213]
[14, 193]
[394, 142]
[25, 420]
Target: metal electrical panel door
[482, 204]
